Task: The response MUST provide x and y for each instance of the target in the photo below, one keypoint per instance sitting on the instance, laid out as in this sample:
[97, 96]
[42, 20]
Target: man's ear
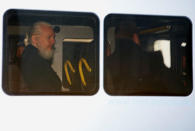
[34, 40]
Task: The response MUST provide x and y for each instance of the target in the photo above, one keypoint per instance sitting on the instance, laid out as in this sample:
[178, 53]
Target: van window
[147, 55]
[50, 53]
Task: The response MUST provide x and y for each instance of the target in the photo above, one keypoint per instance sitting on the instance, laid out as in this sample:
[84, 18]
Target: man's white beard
[46, 54]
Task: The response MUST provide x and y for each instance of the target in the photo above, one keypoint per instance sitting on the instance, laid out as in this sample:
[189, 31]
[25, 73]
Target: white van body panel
[99, 112]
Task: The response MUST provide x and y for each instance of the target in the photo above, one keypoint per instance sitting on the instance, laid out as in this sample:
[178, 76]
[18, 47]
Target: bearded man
[37, 59]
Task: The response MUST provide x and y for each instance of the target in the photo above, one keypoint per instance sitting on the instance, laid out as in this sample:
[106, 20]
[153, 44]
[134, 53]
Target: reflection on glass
[183, 44]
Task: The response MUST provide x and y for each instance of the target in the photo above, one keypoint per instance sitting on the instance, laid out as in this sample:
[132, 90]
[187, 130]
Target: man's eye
[51, 37]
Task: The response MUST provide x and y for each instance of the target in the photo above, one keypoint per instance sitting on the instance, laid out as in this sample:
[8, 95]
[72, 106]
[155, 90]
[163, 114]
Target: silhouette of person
[135, 71]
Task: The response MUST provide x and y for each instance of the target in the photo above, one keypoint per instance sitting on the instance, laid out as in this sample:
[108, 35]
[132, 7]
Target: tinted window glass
[147, 55]
[50, 52]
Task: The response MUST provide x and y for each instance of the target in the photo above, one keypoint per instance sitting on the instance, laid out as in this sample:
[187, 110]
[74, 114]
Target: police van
[122, 65]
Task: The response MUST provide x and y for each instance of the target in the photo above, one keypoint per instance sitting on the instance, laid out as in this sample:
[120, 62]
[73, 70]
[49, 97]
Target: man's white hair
[36, 29]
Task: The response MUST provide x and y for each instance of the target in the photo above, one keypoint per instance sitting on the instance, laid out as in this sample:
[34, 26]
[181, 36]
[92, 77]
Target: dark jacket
[38, 73]
[136, 71]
